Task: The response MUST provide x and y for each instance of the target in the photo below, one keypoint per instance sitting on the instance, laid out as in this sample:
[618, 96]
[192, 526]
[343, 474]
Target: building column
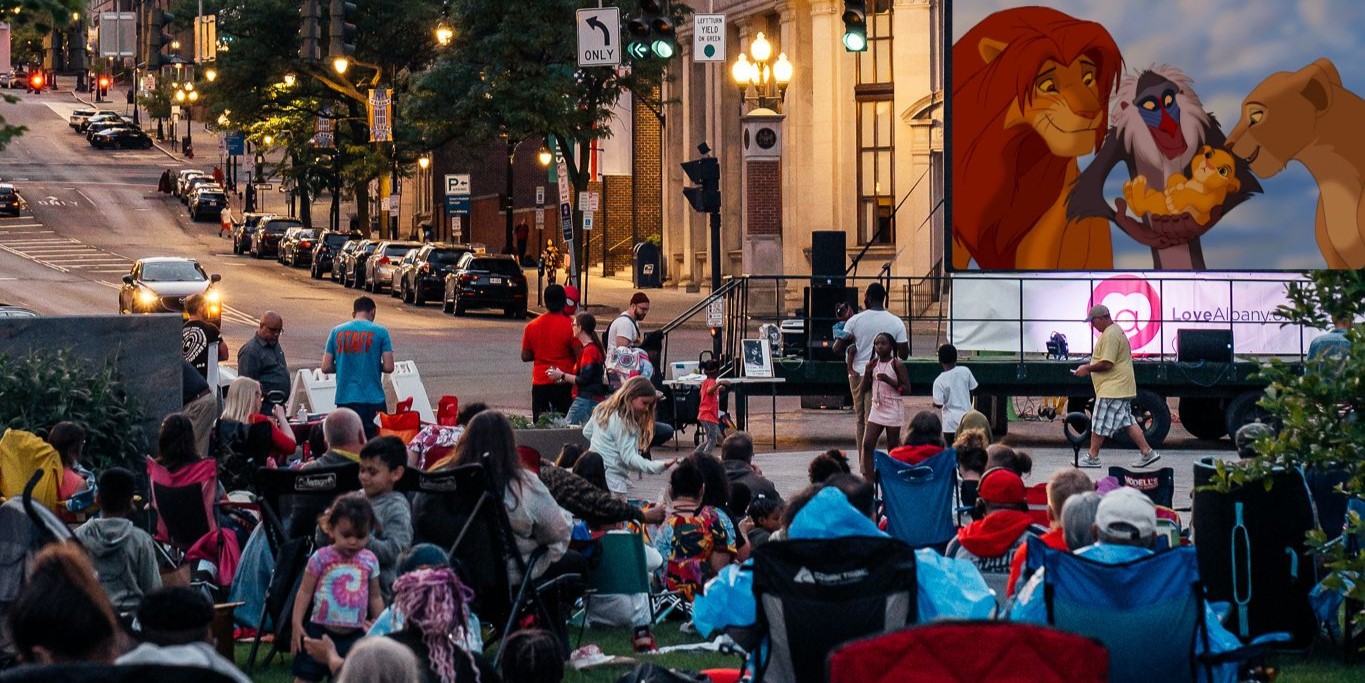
[819, 205]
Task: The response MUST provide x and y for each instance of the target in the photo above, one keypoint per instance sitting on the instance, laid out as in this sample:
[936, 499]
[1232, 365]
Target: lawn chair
[26, 526]
[1158, 485]
[290, 538]
[83, 672]
[621, 569]
[919, 499]
[1001, 652]
[1148, 612]
[813, 595]
[189, 522]
[456, 508]
[1252, 553]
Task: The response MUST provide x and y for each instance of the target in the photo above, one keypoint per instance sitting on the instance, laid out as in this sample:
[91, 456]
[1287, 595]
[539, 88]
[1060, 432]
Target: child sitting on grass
[692, 539]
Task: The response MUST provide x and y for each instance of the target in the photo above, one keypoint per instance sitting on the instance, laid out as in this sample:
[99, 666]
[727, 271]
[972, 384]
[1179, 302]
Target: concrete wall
[147, 347]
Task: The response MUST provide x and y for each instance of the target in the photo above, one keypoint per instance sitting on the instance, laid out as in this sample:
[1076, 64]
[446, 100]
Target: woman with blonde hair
[241, 410]
[621, 428]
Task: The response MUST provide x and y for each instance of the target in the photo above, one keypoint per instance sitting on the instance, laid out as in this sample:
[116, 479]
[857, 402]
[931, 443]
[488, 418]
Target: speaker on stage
[828, 257]
[1195, 346]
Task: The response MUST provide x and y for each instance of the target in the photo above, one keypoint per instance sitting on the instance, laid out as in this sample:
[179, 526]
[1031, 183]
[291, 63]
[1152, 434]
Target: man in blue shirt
[358, 352]
[1334, 346]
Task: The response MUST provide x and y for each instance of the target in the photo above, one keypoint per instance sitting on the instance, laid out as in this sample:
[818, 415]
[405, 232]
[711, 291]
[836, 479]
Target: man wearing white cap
[1111, 370]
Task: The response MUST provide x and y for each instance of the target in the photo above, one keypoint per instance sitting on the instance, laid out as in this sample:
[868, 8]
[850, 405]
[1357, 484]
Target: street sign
[593, 199]
[540, 195]
[599, 36]
[117, 34]
[457, 184]
[587, 201]
[264, 187]
[708, 37]
[587, 221]
[715, 313]
[222, 146]
[457, 206]
[394, 200]
[236, 143]
[566, 220]
[540, 220]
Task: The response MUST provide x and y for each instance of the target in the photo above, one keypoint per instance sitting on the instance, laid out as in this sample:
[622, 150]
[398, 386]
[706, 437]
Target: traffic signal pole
[715, 272]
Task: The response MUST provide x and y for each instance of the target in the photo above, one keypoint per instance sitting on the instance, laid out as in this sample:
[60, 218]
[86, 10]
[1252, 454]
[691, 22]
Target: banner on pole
[381, 109]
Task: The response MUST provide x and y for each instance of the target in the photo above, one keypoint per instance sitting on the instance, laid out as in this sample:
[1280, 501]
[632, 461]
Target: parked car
[10, 201]
[77, 118]
[160, 285]
[101, 116]
[486, 281]
[208, 201]
[296, 247]
[353, 269]
[10, 311]
[244, 229]
[182, 176]
[424, 278]
[120, 138]
[192, 183]
[396, 275]
[96, 125]
[329, 243]
[379, 267]
[266, 240]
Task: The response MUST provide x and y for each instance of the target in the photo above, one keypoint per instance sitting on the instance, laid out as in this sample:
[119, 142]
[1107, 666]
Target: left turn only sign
[599, 36]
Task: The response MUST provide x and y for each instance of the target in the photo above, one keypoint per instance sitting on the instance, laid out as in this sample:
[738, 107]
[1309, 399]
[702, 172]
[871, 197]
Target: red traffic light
[104, 81]
[36, 80]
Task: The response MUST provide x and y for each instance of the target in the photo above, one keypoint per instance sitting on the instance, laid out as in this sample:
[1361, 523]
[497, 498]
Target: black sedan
[266, 240]
[10, 201]
[486, 281]
[242, 231]
[425, 278]
[296, 249]
[324, 254]
[121, 138]
[353, 265]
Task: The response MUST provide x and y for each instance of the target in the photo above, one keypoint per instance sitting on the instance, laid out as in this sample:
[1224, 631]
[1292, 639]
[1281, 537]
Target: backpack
[239, 450]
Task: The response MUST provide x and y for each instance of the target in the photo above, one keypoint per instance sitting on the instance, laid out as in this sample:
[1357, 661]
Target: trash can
[648, 271]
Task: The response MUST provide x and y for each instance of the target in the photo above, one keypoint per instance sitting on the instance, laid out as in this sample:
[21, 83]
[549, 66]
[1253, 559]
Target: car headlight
[146, 297]
[213, 296]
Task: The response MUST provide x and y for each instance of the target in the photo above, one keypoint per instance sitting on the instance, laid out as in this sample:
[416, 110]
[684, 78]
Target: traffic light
[157, 38]
[103, 84]
[36, 81]
[855, 25]
[652, 34]
[310, 31]
[705, 172]
[342, 32]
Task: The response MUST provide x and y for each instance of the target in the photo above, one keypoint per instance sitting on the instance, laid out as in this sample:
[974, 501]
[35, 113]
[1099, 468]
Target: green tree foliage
[29, 21]
[1320, 409]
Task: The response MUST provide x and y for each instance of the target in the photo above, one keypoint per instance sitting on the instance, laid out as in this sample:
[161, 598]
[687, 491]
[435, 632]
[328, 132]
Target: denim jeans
[579, 411]
[710, 437]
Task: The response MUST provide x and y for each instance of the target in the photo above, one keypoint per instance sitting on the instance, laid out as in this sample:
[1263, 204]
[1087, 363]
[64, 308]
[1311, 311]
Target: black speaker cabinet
[828, 255]
[820, 318]
[1194, 346]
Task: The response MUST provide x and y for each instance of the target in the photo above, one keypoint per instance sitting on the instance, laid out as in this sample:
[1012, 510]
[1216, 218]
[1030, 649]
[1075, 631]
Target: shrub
[46, 387]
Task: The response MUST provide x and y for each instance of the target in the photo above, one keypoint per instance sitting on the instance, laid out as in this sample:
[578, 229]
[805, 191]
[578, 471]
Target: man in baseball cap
[1125, 525]
[1097, 311]
[1111, 371]
[990, 542]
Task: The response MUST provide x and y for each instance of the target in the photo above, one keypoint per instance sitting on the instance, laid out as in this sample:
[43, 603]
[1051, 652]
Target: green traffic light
[638, 50]
[855, 41]
[663, 49]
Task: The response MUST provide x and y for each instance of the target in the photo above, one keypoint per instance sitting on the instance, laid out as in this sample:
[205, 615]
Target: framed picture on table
[758, 357]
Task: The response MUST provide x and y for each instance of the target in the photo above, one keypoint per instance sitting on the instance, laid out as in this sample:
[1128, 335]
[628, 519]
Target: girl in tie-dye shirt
[341, 584]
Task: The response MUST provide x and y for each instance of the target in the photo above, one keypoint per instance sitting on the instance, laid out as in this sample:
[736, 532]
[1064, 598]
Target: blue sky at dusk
[1227, 47]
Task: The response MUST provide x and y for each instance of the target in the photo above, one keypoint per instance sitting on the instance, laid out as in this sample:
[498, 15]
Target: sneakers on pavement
[1147, 460]
[1089, 462]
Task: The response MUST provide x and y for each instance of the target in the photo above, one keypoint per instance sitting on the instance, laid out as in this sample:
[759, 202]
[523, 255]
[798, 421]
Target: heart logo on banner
[1134, 306]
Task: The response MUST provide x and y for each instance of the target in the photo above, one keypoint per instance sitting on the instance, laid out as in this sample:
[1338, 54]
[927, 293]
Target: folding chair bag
[919, 498]
[1252, 554]
[1159, 485]
[995, 651]
[815, 594]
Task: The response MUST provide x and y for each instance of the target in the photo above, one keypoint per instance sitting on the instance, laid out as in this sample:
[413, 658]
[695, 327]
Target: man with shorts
[1111, 370]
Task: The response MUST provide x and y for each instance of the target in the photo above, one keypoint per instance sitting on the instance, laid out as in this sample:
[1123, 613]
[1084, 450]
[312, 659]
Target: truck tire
[1203, 417]
[1242, 409]
[1153, 415]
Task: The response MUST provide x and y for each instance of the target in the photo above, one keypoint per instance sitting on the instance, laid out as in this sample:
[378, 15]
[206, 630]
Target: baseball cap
[1002, 487]
[1126, 512]
[1097, 311]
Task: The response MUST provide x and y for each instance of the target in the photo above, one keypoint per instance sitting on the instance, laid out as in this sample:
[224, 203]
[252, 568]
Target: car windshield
[398, 250]
[280, 226]
[6, 190]
[445, 257]
[335, 240]
[172, 271]
[307, 234]
[369, 248]
[496, 266]
[210, 196]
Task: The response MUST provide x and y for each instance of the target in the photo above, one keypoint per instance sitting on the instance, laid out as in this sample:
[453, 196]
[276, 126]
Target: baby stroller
[26, 526]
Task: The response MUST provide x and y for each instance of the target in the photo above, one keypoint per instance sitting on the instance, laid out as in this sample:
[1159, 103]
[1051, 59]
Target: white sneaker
[1147, 460]
[1089, 462]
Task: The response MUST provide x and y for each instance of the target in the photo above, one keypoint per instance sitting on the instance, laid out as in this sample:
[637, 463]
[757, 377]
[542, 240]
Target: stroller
[26, 526]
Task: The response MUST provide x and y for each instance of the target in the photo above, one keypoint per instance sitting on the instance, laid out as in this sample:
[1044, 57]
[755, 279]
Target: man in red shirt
[547, 342]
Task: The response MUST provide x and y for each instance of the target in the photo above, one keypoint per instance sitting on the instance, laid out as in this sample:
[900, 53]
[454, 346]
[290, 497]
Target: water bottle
[303, 414]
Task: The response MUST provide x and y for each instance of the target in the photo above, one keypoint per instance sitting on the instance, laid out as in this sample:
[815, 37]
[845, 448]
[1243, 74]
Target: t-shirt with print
[865, 326]
[953, 390]
[359, 347]
[623, 326]
[342, 597]
[196, 337]
[550, 340]
[1117, 382]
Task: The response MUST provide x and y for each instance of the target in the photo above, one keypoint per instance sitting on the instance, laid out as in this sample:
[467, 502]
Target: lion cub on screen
[1214, 176]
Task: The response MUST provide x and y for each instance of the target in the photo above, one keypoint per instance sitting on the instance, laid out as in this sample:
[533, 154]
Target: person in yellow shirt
[1111, 370]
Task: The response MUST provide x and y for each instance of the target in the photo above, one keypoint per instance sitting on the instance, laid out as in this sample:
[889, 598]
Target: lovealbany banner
[1009, 312]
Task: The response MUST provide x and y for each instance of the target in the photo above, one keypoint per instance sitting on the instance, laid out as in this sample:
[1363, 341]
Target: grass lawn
[1324, 666]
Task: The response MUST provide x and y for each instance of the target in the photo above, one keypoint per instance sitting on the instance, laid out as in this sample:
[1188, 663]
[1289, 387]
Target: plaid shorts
[1111, 415]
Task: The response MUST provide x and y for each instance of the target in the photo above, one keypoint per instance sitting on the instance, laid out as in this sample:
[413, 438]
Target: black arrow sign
[594, 22]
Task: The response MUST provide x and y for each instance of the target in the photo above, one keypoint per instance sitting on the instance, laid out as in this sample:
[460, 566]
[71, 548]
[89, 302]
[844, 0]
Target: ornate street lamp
[757, 70]
[289, 80]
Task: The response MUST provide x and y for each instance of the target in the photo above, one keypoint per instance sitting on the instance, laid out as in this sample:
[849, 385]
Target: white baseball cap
[1126, 512]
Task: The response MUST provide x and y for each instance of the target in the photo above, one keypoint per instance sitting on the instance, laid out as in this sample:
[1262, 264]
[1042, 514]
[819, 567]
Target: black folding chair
[291, 501]
[457, 508]
[1158, 485]
[83, 672]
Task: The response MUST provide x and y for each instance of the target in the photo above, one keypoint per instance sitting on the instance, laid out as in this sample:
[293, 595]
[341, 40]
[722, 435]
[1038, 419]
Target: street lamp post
[767, 77]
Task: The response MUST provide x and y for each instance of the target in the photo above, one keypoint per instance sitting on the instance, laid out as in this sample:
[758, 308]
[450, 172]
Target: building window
[874, 65]
[876, 174]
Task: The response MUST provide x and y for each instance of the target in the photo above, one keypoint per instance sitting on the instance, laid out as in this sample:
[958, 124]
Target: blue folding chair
[1148, 612]
[918, 499]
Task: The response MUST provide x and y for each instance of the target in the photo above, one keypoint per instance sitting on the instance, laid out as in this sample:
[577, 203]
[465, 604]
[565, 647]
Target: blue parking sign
[235, 143]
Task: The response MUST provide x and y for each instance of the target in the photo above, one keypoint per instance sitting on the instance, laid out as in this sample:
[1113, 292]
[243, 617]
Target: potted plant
[548, 434]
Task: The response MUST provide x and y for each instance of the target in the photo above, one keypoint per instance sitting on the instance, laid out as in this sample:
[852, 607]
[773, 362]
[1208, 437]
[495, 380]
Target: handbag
[403, 423]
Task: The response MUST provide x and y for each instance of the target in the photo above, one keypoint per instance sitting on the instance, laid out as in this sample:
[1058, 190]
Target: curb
[155, 144]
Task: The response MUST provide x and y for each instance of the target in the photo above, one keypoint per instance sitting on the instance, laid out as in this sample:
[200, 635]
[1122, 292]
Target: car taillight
[305, 244]
[468, 277]
[383, 260]
[426, 268]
